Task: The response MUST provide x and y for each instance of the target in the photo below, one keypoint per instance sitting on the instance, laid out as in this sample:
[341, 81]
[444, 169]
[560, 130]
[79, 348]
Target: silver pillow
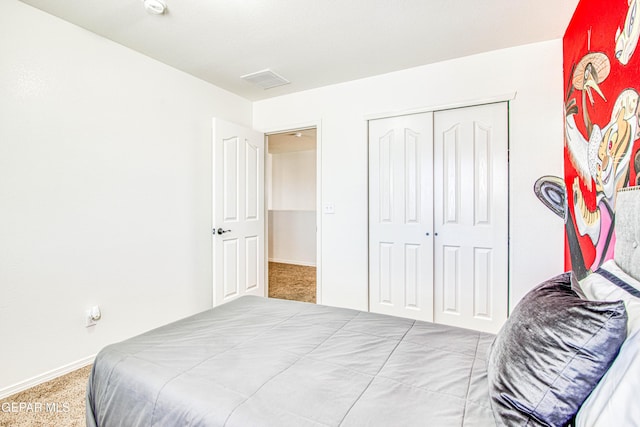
[551, 353]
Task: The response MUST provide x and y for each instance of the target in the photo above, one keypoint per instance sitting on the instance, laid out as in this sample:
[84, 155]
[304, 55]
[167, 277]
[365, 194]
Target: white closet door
[471, 216]
[401, 216]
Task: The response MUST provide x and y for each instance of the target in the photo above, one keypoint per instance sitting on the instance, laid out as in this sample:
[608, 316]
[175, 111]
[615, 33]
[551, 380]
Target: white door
[401, 216]
[471, 216]
[238, 212]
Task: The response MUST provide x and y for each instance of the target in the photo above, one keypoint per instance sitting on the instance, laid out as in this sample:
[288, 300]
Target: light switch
[328, 208]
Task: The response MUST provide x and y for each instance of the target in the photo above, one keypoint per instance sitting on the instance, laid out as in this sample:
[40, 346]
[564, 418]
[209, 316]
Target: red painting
[602, 86]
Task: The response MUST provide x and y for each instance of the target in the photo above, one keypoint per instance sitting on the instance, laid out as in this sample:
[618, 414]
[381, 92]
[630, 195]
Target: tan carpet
[59, 402]
[293, 282]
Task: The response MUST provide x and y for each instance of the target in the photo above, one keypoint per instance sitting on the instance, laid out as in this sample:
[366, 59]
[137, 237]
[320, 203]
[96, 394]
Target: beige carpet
[292, 282]
[59, 402]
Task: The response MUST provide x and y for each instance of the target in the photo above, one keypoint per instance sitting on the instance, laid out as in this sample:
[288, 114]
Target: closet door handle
[221, 231]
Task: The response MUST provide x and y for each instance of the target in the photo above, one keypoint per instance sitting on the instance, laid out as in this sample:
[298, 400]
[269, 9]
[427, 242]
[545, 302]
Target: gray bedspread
[266, 362]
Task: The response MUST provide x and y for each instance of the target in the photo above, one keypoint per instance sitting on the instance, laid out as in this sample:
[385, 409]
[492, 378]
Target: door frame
[506, 97]
[317, 124]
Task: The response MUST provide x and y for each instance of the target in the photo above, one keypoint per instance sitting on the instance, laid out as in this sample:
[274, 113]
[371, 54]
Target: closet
[438, 216]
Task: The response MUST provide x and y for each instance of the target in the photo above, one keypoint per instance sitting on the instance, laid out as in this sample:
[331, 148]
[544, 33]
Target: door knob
[221, 231]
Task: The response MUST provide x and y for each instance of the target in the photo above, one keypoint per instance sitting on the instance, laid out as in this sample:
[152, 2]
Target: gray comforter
[265, 362]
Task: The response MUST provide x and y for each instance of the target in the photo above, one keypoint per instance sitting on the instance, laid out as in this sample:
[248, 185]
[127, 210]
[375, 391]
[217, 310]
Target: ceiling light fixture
[154, 7]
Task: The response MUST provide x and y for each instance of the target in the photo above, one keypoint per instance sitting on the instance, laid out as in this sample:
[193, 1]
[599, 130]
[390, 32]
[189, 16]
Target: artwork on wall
[602, 87]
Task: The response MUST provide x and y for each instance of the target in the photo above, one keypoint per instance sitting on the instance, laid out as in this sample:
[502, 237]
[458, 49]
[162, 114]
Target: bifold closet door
[438, 216]
[471, 216]
[401, 216]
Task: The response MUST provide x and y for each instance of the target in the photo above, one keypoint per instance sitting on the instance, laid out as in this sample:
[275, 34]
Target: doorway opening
[291, 196]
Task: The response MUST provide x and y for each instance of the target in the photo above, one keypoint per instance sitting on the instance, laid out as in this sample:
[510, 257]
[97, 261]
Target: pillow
[610, 283]
[614, 401]
[551, 353]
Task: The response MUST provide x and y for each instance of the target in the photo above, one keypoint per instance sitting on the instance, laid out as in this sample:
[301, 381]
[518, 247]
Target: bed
[257, 361]
[264, 362]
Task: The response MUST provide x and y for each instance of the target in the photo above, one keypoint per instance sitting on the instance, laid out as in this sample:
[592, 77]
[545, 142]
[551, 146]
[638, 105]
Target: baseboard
[287, 261]
[47, 376]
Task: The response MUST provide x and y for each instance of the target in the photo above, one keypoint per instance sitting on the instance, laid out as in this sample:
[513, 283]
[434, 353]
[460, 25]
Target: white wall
[293, 180]
[292, 202]
[292, 237]
[536, 148]
[105, 191]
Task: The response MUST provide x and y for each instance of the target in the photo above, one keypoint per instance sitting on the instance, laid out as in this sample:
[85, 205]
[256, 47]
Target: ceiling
[288, 142]
[313, 43]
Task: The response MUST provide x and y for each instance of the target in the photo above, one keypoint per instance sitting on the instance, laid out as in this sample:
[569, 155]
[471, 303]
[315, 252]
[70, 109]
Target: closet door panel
[471, 214]
[401, 216]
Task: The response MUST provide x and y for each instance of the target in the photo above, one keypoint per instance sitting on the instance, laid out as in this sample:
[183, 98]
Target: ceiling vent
[266, 79]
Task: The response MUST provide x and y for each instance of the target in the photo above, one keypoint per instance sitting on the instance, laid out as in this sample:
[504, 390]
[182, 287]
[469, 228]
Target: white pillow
[614, 401]
[599, 288]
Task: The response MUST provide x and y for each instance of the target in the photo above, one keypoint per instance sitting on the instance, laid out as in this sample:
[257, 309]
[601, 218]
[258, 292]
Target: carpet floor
[292, 282]
[61, 401]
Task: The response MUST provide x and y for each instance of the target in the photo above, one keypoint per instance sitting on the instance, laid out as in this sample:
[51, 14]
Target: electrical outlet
[92, 315]
[89, 320]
